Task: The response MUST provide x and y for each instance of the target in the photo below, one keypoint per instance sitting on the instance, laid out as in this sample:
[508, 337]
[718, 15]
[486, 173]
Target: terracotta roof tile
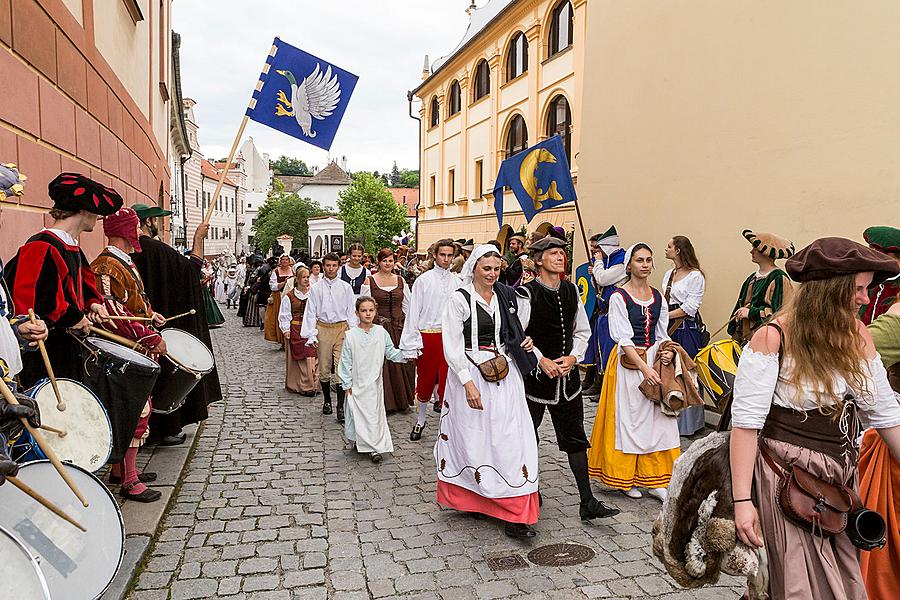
[208, 170]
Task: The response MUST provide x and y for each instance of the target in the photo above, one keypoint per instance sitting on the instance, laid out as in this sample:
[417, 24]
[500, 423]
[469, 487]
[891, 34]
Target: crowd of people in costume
[494, 336]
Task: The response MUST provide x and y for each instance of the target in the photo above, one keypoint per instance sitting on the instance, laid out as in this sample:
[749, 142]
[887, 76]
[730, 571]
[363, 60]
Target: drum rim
[41, 383]
[181, 365]
[118, 513]
[31, 558]
[101, 348]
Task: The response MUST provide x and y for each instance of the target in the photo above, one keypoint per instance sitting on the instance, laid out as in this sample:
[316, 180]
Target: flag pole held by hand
[60, 405]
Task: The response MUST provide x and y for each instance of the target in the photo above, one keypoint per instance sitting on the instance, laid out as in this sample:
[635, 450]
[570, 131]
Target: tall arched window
[561, 27]
[516, 136]
[435, 112]
[482, 85]
[559, 121]
[454, 102]
[517, 56]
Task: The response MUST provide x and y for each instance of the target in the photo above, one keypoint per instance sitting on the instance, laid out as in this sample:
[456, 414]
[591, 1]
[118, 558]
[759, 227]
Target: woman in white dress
[486, 451]
[684, 287]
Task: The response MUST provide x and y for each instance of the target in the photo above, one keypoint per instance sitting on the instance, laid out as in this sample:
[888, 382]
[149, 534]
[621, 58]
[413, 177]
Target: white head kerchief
[469, 267]
[630, 251]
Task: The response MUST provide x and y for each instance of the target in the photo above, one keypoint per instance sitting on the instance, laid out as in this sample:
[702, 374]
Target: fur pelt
[694, 535]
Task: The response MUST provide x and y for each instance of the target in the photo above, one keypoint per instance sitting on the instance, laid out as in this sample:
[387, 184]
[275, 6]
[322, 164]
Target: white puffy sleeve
[411, 337]
[404, 306]
[692, 288]
[620, 329]
[582, 333]
[284, 313]
[754, 388]
[881, 409]
[662, 326]
[308, 328]
[455, 314]
[273, 280]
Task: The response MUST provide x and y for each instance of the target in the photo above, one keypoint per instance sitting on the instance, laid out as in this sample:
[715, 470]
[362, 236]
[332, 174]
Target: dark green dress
[764, 296]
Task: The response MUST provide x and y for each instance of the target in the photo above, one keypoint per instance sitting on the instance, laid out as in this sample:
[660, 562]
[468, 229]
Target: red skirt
[299, 349]
[517, 509]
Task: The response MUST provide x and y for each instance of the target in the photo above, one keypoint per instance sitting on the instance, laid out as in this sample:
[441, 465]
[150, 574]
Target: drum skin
[187, 361]
[88, 442]
[20, 574]
[77, 565]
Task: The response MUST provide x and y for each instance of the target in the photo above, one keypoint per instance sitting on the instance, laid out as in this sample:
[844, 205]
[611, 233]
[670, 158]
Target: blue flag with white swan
[301, 95]
[539, 178]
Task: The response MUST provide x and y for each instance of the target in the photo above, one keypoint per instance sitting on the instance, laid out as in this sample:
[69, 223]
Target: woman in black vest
[486, 451]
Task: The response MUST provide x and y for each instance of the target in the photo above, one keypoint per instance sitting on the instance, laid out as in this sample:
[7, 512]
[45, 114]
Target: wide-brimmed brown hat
[833, 256]
[772, 245]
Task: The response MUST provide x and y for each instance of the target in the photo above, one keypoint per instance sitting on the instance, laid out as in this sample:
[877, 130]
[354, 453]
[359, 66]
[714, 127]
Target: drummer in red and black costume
[123, 293]
[51, 274]
[881, 297]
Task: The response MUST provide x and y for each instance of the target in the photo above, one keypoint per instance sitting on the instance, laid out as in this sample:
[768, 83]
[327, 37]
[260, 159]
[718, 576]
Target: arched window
[482, 85]
[454, 103]
[517, 136]
[559, 121]
[517, 57]
[435, 117]
[561, 27]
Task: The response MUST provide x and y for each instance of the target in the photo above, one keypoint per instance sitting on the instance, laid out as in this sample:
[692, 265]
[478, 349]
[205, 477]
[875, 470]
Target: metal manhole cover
[506, 562]
[561, 555]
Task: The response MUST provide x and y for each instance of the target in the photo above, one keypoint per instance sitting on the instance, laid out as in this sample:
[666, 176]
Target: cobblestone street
[273, 505]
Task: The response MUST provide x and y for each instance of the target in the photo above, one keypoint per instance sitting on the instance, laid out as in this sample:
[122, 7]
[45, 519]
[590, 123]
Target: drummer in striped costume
[123, 293]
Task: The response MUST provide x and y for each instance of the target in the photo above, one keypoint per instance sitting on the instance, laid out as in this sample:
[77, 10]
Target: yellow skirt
[613, 467]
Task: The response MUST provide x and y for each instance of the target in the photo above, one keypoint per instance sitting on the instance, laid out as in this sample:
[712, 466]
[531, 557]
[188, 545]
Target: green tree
[409, 178]
[284, 213]
[395, 175]
[370, 213]
[289, 166]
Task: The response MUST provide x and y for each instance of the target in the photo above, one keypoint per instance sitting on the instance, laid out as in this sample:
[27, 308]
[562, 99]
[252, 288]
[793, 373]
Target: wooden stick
[60, 405]
[43, 445]
[127, 318]
[190, 312]
[61, 433]
[118, 339]
[44, 502]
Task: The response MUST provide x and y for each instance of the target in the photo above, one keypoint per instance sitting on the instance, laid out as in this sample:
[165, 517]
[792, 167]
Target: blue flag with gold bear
[538, 176]
[301, 95]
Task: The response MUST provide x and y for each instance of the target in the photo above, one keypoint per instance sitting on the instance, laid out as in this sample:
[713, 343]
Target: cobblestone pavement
[273, 505]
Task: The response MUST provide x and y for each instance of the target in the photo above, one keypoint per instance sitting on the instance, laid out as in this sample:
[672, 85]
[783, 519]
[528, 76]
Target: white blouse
[620, 329]
[366, 290]
[688, 291]
[757, 386]
[457, 311]
[285, 314]
[430, 293]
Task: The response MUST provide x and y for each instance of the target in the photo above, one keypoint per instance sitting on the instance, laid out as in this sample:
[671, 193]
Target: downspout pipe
[409, 98]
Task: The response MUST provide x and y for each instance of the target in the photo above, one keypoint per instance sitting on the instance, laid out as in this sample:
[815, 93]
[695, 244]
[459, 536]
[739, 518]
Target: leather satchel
[813, 504]
[495, 369]
[627, 362]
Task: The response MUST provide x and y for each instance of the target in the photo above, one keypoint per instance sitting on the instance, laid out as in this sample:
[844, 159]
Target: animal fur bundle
[694, 535]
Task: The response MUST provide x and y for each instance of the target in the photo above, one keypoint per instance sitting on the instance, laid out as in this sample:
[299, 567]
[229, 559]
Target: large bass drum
[20, 572]
[186, 361]
[77, 565]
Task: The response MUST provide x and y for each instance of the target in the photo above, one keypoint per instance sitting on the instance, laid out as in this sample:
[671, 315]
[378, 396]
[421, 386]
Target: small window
[561, 28]
[451, 186]
[559, 121]
[454, 103]
[433, 190]
[197, 198]
[482, 85]
[479, 178]
[435, 117]
[517, 136]
[517, 57]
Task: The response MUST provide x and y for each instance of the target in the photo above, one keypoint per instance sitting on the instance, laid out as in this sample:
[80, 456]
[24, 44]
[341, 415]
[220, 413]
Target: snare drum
[186, 362]
[20, 572]
[77, 565]
[88, 441]
[123, 380]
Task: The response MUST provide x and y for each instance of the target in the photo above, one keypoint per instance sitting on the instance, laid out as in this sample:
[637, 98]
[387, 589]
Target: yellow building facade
[513, 81]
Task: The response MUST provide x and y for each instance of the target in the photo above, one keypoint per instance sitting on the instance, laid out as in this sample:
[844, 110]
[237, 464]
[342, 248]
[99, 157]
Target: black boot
[326, 392]
[519, 531]
[340, 404]
[590, 508]
[594, 509]
[590, 374]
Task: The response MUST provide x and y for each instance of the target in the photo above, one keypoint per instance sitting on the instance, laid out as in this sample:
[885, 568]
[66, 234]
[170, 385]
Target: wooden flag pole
[587, 247]
[234, 145]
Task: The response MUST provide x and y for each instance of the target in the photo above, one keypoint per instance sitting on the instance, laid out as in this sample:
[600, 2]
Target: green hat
[145, 212]
[886, 239]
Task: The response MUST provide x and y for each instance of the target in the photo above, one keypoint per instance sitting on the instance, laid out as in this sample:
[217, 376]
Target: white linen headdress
[630, 251]
[469, 267]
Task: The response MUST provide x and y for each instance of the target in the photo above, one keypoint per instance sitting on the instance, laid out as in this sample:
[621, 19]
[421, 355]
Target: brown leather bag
[494, 370]
[628, 364]
[815, 505]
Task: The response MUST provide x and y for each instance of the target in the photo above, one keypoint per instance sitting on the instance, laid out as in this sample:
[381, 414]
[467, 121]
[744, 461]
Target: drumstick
[59, 432]
[44, 502]
[719, 330]
[190, 312]
[43, 445]
[60, 405]
[117, 338]
[124, 318]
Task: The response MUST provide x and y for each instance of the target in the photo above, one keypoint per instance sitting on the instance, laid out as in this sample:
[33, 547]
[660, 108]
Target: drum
[123, 380]
[77, 565]
[20, 573]
[186, 362]
[716, 369]
[88, 441]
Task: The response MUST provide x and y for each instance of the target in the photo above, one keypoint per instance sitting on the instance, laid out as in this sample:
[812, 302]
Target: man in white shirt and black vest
[354, 273]
[560, 332]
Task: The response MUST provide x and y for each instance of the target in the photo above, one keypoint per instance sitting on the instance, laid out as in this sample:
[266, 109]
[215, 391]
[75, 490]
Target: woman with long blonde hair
[801, 384]
[301, 365]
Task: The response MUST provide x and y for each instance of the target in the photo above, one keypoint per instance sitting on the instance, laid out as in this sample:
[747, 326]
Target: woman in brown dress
[301, 366]
[392, 295]
[279, 276]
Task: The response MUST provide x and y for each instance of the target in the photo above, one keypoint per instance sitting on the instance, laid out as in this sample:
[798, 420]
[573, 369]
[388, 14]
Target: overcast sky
[224, 45]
